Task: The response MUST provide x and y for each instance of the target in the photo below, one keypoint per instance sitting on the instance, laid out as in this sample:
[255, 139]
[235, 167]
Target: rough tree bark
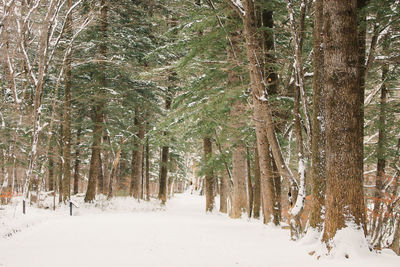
[343, 111]
[318, 128]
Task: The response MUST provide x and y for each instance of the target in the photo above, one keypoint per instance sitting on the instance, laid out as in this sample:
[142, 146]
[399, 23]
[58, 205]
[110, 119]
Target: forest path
[183, 235]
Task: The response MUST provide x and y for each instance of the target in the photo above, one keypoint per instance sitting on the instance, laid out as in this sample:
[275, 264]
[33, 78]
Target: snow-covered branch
[237, 5]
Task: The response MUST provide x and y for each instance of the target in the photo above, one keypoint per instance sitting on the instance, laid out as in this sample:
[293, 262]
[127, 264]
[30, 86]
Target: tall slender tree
[67, 113]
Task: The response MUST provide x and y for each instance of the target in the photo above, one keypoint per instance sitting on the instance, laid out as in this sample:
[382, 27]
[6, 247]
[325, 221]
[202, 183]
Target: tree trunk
[395, 246]
[170, 186]
[297, 209]
[114, 170]
[95, 173]
[60, 168]
[223, 196]
[67, 113]
[226, 178]
[105, 165]
[209, 176]
[257, 186]
[77, 160]
[249, 187]
[239, 167]
[122, 172]
[142, 182]
[147, 169]
[51, 170]
[276, 185]
[318, 128]
[137, 156]
[381, 164]
[343, 111]
[262, 114]
[162, 193]
[133, 165]
[239, 161]
[100, 180]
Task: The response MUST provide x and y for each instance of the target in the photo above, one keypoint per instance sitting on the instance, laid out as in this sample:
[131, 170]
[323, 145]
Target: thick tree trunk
[209, 176]
[343, 111]
[318, 128]
[257, 186]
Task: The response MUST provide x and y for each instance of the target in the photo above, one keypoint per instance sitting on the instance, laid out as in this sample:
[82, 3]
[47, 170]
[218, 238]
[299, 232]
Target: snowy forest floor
[181, 234]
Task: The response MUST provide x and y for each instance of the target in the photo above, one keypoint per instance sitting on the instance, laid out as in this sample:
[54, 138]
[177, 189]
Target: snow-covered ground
[126, 233]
